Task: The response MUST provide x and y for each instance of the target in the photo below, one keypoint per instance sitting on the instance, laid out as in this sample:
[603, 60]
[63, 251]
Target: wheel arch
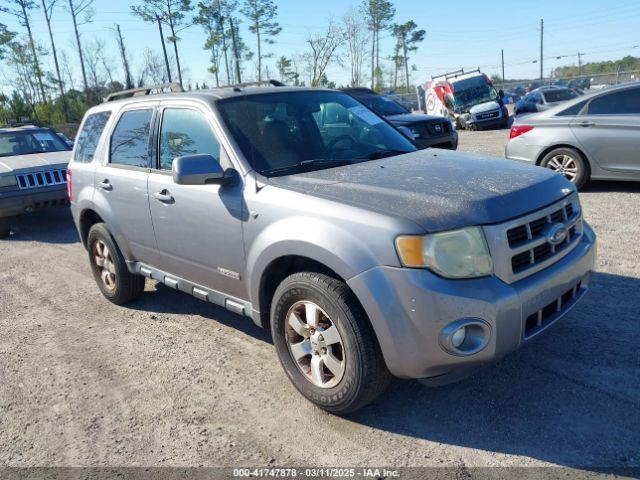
[88, 218]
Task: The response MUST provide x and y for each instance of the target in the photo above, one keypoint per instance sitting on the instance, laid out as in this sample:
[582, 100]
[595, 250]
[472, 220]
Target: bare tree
[81, 13]
[357, 41]
[20, 10]
[323, 47]
[262, 21]
[5, 38]
[125, 61]
[92, 52]
[172, 14]
[67, 71]
[152, 68]
[47, 7]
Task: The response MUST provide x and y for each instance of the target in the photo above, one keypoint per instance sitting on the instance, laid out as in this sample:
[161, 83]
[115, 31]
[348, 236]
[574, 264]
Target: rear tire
[570, 163]
[340, 371]
[116, 282]
[5, 227]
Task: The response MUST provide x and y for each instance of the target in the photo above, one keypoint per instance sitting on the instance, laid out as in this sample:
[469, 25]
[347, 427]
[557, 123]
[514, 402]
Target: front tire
[568, 162]
[325, 343]
[5, 227]
[116, 282]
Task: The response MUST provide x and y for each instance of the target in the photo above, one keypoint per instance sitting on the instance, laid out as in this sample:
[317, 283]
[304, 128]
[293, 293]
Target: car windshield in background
[473, 91]
[382, 105]
[286, 132]
[560, 95]
[28, 142]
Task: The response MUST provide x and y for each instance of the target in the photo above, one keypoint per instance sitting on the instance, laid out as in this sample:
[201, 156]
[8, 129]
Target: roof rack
[455, 73]
[238, 86]
[135, 92]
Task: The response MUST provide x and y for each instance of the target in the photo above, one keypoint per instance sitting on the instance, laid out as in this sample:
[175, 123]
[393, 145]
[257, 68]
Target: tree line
[46, 88]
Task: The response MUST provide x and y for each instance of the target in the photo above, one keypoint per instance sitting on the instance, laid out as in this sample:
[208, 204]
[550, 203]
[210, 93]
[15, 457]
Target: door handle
[106, 185]
[164, 196]
[587, 124]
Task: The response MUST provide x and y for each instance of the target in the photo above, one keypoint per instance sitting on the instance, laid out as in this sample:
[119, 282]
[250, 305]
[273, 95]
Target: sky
[465, 33]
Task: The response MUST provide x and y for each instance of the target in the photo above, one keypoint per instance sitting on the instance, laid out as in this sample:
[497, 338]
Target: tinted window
[26, 142]
[89, 136]
[574, 110]
[281, 130]
[185, 132]
[618, 103]
[130, 139]
[382, 105]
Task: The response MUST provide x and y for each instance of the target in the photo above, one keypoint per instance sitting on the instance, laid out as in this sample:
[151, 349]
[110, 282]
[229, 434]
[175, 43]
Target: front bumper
[24, 201]
[501, 121]
[408, 308]
[449, 141]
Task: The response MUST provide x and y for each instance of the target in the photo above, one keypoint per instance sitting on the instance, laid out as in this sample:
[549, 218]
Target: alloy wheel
[564, 164]
[315, 344]
[104, 262]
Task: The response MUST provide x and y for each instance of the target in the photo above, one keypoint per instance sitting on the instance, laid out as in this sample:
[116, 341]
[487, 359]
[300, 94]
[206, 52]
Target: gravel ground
[173, 381]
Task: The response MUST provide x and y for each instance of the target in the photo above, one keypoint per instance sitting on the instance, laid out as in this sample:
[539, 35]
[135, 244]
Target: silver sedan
[596, 136]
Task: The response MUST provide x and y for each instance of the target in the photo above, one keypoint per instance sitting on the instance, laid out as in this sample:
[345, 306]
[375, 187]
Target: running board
[235, 305]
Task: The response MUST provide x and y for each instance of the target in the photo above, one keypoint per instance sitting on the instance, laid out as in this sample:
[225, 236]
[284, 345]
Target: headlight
[455, 254]
[415, 132]
[453, 125]
[8, 181]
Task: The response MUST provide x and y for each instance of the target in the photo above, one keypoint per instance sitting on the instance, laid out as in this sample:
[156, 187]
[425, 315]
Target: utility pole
[164, 48]
[502, 51]
[125, 62]
[541, 48]
[580, 63]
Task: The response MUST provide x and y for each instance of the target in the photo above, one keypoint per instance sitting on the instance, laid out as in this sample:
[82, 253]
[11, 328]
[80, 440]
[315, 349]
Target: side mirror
[501, 93]
[201, 169]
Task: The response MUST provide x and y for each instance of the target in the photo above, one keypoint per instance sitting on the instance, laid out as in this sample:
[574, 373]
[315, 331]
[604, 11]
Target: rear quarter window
[89, 136]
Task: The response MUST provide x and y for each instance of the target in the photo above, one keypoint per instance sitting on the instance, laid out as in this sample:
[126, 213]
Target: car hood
[35, 161]
[437, 189]
[484, 107]
[412, 118]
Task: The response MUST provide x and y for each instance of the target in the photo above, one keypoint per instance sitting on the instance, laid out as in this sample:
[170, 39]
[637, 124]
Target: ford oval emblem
[557, 233]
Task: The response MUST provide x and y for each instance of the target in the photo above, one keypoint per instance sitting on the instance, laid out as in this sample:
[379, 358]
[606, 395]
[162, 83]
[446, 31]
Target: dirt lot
[173, 381]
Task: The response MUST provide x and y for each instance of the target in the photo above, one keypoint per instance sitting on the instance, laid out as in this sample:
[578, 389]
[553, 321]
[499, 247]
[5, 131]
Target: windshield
[472, 91]
[30, 141]
[559, 95]
[290, 131]
[382, 105]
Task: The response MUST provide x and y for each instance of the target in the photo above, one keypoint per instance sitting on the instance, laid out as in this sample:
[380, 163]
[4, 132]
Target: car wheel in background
[5, 227]
[568, 162]
[325, 343]
[110, 271]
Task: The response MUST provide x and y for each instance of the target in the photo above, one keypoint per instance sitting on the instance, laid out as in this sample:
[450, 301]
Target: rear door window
[130, 139]
[626, 102]
[89, 136]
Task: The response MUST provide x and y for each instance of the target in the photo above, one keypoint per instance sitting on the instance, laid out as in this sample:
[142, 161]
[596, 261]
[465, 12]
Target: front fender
[319, 240]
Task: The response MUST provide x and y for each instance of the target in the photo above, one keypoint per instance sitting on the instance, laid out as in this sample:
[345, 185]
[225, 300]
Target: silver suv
[365, 256]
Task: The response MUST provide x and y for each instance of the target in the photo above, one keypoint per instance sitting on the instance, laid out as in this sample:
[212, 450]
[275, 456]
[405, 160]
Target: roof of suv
[214, 93]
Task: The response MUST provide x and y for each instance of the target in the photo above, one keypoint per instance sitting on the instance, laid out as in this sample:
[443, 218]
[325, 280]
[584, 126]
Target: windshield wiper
[304, 164]
[385, 153]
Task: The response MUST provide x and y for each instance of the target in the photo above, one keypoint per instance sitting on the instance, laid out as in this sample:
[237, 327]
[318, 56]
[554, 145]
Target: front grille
[525, 245]
[435, 128]
[532, 233]
[544, 317]
[488, 115]
[44, 178]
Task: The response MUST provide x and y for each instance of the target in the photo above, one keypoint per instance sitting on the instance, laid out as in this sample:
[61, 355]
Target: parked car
[596, 136]
[33, 166]
[544, 98]
[66, 139]
[426, 130]
[363, 254]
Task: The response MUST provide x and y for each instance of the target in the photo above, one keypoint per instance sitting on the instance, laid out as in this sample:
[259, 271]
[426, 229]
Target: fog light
[458, 337]
[466, 336]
